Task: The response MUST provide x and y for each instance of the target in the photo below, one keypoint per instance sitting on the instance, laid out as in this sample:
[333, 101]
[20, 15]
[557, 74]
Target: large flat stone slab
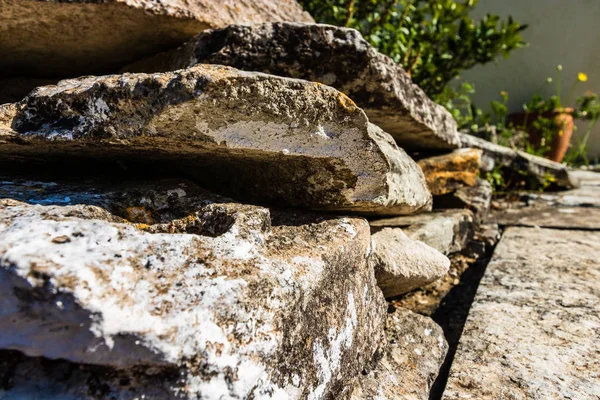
[47, 38]
[255, 137]
[586, 178]
[532, 331]
[410, 362]
[536, 168]
[588, 195]
[585, 218]
[217, 300]
[339, 57]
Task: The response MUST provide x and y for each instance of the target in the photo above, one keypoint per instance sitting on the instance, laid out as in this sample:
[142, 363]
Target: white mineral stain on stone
[103, 268]
[348, 227]
[101, 109]
[86, 261]
[329, 360]
[179, 192]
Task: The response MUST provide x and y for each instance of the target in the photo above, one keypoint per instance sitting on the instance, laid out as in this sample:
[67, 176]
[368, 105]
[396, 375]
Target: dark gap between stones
[248, 176]
[452, 315]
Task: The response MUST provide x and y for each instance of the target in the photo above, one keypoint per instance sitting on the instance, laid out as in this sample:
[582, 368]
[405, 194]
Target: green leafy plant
[434, 40]
[540, 116]
[588, 109]
[496, 179]
[543, 112]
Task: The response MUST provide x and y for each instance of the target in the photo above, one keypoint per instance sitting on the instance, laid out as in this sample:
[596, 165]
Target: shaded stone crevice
[555, 227]
[162, 206]
[225, 174]
[453, 312]
[101, 381]
[532, 328]
[251, 136]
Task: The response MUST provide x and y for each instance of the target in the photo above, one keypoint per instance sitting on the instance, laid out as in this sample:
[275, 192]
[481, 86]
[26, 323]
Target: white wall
[565, 32]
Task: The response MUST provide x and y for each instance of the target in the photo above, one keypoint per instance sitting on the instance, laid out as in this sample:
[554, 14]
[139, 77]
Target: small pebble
[61, 239]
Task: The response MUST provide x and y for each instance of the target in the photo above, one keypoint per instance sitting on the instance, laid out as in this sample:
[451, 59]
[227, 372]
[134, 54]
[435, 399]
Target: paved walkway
[533, 331]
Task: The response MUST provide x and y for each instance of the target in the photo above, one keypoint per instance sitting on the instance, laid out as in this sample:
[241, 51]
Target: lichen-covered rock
[448, 172]
[48, 38]
[536, 168]
[532, 330]
[339, 57]
[447, 231]
[411, 362]
[402, 264]
[220, 302]
[252, 136]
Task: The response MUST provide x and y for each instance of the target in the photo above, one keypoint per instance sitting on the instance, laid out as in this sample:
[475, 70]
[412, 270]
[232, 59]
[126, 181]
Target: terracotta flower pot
[563, 120]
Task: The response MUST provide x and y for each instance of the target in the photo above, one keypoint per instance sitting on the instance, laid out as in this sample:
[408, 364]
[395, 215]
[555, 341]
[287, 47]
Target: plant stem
[350, 10]
[559, 89]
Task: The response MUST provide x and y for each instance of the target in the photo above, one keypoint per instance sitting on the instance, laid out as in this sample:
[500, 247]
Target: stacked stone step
[133, 286]
[532, 330]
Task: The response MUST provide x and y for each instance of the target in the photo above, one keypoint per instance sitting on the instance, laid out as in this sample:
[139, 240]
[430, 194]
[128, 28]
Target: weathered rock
[237, 305]
[412, 360]
[447, 231]
[446, 173]
[427, 299]
[586, 178]
[402, 264]
[587, 195]
[252, 136]
[47, 38]
[537, 168]
[157, 206]
[339, 57]
[549, 217]
[476, 198]
[532, 331]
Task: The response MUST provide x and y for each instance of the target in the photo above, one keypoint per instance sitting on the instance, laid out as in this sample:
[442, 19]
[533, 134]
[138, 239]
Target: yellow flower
[560, 133]
[582, 77]
[503, 93]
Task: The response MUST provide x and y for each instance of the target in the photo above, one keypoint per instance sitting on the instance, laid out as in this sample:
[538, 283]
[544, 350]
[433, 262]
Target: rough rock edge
[448, 231]
[82, 37]
[347, 365]
[231, 116]
[536, 167]
[336, 56]
[410, 363]
[446, 173]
